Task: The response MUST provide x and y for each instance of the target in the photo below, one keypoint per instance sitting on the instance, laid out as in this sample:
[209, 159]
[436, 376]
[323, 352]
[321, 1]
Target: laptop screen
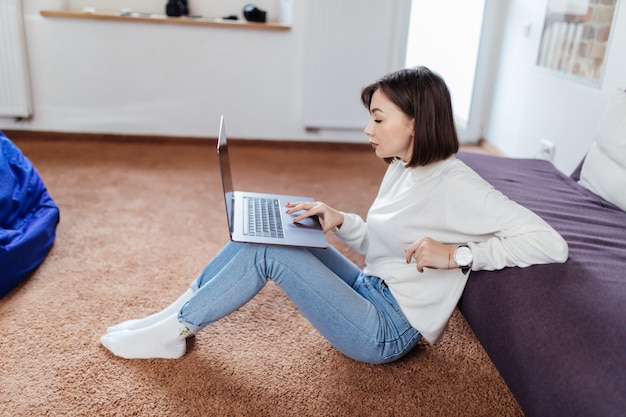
[227, 181]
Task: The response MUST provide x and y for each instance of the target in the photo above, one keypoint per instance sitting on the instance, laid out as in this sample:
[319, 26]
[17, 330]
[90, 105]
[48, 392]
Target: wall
[117, 77]
[531, 103]
[134, 78]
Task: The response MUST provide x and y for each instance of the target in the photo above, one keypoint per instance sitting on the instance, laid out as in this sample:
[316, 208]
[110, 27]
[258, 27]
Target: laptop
[260, 217]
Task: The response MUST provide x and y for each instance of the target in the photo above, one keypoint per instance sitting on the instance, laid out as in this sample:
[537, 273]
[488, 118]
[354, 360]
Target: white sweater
[446, 201]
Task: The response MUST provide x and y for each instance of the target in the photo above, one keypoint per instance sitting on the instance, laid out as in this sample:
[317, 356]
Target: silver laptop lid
[227, 180]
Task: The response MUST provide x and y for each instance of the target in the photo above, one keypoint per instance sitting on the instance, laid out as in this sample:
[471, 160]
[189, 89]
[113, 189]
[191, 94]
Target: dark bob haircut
[423, 96]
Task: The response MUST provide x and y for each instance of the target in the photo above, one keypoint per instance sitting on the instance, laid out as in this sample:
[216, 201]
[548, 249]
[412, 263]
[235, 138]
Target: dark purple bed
[556, 333]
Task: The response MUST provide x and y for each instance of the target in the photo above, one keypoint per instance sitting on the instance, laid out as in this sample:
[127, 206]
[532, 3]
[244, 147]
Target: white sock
[164, 339]
[154, 318]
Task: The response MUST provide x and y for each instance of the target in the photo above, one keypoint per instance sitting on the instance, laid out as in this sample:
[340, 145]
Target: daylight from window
[448, 44]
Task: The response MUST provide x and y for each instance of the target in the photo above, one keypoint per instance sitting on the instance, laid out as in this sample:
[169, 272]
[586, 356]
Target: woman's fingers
[297, 206]
[327, 216]
[429, 253]
[308, 210]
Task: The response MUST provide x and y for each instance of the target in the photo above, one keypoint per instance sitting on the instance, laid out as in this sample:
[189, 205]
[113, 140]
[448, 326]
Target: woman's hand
[429, 253]
[328, 216]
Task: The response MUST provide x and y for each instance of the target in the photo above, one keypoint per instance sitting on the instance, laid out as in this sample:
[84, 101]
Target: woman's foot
[164, 339]
[136, 324]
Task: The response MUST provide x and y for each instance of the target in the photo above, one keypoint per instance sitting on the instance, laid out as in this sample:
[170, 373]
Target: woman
[433, 221]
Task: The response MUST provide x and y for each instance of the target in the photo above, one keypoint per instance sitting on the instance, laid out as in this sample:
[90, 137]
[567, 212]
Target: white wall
[132, 78]
[531, 103]
[140, 78]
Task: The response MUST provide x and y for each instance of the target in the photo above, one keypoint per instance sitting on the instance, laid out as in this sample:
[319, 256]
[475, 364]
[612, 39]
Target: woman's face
[390, 130]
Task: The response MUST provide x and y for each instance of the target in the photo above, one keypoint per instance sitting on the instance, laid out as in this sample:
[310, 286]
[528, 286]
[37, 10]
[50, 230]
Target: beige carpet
[138, 222]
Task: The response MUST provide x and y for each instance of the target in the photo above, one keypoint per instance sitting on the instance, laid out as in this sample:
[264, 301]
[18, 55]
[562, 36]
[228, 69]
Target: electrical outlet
[546, 150]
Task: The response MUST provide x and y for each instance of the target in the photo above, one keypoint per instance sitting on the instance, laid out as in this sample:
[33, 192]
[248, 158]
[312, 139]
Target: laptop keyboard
[264, 219]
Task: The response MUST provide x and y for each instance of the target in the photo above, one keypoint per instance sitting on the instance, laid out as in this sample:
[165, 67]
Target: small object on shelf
[176, 8]
[254, 14]
[231, 16]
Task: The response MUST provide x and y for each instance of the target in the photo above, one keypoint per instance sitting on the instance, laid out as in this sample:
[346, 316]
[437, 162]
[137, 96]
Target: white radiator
[349, 43]
[15, 99]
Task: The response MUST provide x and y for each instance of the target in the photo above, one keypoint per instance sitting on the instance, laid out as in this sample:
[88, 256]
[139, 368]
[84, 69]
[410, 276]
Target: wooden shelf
[162, 19]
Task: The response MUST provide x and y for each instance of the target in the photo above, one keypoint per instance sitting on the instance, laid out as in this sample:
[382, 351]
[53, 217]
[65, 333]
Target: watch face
[463, 256]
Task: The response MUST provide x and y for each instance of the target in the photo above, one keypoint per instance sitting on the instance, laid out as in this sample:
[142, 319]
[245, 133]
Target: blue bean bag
[28, 217]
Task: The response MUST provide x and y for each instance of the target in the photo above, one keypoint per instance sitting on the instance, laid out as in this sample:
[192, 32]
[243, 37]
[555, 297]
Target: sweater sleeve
[509, 234]
[353, 232]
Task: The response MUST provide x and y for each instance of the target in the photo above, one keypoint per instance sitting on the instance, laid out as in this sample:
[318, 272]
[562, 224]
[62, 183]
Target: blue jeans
[356, 313]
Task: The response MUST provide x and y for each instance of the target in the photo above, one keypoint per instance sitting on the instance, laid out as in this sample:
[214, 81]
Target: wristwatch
[463, 258]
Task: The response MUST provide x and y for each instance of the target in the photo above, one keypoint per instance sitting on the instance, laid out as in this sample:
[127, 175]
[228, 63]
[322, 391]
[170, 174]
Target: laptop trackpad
[308, 223]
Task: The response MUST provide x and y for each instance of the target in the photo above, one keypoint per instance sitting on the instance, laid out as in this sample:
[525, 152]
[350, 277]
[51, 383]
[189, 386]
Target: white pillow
[604, 169]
